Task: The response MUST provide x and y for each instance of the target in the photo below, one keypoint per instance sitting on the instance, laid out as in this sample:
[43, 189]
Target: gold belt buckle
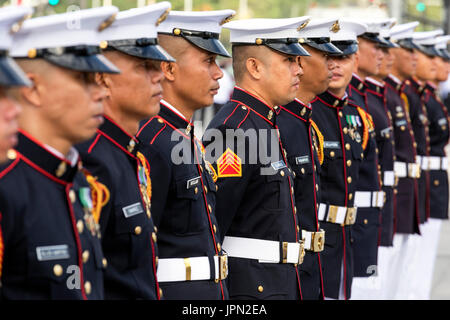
[285, 248]
[332, 214]
[318, 240]
[350, 217]
[301, 254]
[223, 266]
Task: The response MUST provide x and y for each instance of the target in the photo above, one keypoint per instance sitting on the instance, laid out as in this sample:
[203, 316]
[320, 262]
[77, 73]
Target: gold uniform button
[260, 288]
[345, 130]
[217, 188]
[298, 229]
[341, 114]
[160, 292]
[209, 208]
[156, 260]
[218, 247]
[85, 256]
[295, 210]
[196, 190]
[206, 189]
[415, 144]
[292, 190]
[436, 182]
[350, 196]
[366, 221]
[160, 120]
[349, 163]
[282, 173]
[57, 270]
[332, 154]
[214, 228]
[444, 128]
[244, 108]
[155, 228]
[138, 230]
[303, 170]
[104, 262]
[317, 187]
[347, 146]
[395, 191]
[72, 196]
[88, 287]
[403, 128]
[11, 154]
[201, 169]
[154, 238]
[80, 226]
[349, 179]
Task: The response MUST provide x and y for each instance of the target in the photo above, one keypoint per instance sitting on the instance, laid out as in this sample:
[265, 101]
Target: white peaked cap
[137, 23]
[62, 30]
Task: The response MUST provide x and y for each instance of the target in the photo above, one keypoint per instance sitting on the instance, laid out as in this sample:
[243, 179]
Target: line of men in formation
[93, 205]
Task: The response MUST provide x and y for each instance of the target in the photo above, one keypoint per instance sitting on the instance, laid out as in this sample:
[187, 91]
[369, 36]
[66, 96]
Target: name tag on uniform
[132, 210]
[401, 123]
[53, 252]
[278, 165]
[193, 182]
[331, 144]
[302, 160]
[442, 121]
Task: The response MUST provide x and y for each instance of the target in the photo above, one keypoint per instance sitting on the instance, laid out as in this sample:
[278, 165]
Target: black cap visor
[374, 37]
[443, 53]
[408, 44]
[90, 63]
[347, 47]
[389, 44]
[141, 48]
[326, 47]
[292, 49]
[10, 73]
[212, 45]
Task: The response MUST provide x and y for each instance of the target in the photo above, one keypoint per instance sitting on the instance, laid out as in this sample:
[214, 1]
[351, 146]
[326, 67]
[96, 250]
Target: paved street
[441, 276]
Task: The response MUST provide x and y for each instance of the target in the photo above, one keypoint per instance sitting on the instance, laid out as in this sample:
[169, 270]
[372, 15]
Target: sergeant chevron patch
[229, 165]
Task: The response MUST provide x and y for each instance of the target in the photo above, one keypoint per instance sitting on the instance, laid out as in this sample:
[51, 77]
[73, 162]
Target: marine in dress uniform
[405, 167]
[192, 264]
[49, 203]
[255, 203]
[11, 76]
[369, 197]
[304, 146]
[343, 133]
[129, 236]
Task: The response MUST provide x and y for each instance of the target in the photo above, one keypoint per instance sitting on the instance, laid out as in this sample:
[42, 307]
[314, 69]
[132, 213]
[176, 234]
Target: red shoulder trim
[9, 168]
[94, 143]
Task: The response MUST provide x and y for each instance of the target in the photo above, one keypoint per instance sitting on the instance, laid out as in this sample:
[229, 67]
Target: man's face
[426, 67]
[9, 112]
[73, 103]
[197, 77]
[405, 62]
[441, 69]
[370, 57]
[386, 63]
[280, 77]
[317, 71]
[137, 89]
[343, 72]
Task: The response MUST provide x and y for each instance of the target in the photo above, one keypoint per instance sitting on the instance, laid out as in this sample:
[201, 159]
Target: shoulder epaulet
[153, 127]
[10, 164]
[99, 195]
[237, 116]
[319, 135]
[366, 126]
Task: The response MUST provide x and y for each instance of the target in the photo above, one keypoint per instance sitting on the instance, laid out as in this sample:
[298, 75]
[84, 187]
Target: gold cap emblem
[335, 27]
[16, 26]
[301, 40]
[176, 32]
[227, 19]
[303, 25]
[105, 24]
[163, 17]
[259, 41]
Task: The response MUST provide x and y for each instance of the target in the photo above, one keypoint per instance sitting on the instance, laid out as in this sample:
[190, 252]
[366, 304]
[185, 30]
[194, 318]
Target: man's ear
[254, 68]
[169, 69]
[33, 94]
[104, 81]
